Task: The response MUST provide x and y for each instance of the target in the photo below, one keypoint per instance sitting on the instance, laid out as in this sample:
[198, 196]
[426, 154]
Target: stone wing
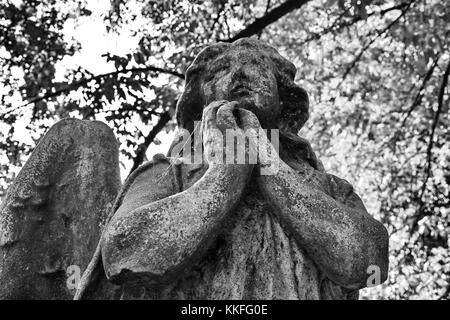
[53, 213]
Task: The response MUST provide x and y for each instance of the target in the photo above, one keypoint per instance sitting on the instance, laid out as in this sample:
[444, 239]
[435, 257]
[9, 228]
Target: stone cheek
[54, 211]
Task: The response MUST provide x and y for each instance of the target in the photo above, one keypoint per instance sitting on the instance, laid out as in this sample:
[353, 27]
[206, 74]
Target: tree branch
[78, 84]
[417, 100]
[367, 46]
[419, 96]
[140, 153]
[430, 148]
[335, 27]
[273, 15]
[265, 12]
[219, 14]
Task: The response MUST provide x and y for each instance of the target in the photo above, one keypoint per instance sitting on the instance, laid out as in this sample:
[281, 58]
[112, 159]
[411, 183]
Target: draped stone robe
[253, 257]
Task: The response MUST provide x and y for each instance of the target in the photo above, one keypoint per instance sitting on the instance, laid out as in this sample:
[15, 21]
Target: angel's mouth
[240, 89]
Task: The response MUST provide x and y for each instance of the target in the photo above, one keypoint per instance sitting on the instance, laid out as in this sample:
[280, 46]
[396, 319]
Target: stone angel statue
[183, 230]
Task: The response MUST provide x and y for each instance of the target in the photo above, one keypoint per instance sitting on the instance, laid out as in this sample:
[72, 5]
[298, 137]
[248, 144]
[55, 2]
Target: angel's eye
[209, 76]
[220, 66]
[215, 70]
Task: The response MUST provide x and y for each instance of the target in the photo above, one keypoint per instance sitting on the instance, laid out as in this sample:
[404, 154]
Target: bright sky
[94, 39]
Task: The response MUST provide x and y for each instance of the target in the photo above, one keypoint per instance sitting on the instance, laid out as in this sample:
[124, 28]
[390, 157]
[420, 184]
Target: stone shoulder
[150, 182]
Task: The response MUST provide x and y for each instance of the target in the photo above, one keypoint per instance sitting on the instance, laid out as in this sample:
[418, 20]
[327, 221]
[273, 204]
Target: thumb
[248, 119]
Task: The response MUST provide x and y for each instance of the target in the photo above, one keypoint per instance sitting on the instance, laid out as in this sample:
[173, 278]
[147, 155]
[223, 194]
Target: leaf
[136, 86]
[139, 57]
[108, 89]
[121, 93]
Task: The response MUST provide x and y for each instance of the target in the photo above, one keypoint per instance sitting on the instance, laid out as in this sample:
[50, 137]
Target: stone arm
[156, 242]
[341, 237]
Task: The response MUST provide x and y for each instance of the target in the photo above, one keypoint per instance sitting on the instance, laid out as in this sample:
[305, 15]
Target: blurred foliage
[376, 71]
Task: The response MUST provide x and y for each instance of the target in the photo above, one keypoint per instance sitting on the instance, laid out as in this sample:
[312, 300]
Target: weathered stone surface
[253, 256]
[54, 211]
[224, 231]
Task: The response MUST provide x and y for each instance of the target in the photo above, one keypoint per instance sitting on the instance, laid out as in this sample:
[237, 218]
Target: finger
[214, 105]
[209, 125]
[225, 115]
[248, 119]
[210, 113]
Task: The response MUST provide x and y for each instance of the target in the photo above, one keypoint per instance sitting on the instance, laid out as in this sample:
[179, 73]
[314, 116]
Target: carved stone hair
[294, 103]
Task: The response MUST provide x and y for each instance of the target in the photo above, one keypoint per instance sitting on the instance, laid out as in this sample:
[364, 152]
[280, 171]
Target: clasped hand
[233, 135]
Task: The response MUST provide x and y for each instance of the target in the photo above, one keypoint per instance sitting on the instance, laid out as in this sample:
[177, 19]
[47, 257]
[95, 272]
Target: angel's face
[246, 76]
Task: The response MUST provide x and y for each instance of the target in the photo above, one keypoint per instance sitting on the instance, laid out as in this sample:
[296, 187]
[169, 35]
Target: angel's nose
[239, 73]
